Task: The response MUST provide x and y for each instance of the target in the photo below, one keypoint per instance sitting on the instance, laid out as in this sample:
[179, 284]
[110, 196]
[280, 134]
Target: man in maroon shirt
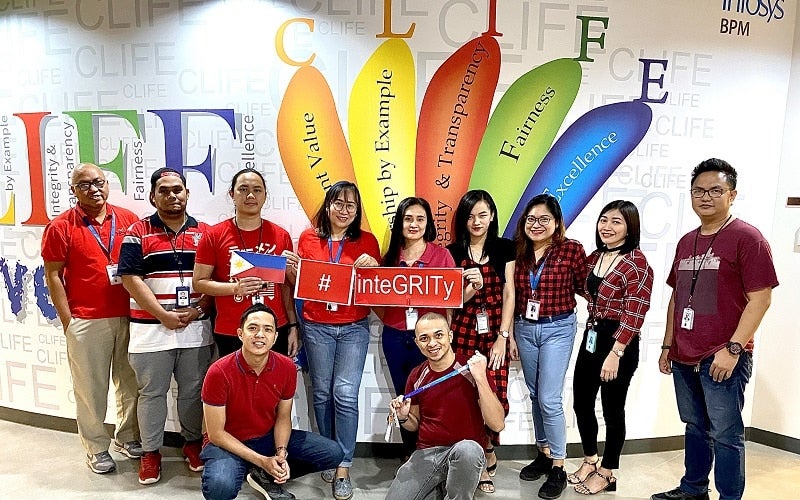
[451, 418]
[80, 249]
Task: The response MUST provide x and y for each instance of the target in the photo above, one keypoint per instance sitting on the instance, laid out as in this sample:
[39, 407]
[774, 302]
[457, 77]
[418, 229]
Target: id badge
[482, 320]
[257, 298]
[181, 296]
[532, 311]
[411, 318]
[113, 277]
[330, 306]
[687, 319]
[591, 341]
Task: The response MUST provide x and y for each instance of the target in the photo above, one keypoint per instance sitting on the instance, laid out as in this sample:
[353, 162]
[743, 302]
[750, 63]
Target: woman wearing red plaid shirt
[549, 271]
[619, 285]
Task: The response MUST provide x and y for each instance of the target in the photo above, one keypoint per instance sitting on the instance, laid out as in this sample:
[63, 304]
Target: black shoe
[540, 466]
[678, 494]
[262, 483]
[556, 483]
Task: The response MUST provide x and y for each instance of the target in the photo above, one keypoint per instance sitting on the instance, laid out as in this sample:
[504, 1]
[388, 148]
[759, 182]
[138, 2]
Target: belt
[548, 319]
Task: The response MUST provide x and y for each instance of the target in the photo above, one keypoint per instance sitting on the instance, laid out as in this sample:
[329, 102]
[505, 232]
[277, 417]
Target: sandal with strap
[486, 486]
[491, 469]
[611, 484]
[574, 478]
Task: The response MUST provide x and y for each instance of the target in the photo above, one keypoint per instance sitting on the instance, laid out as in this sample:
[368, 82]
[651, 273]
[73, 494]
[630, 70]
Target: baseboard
[392, 450]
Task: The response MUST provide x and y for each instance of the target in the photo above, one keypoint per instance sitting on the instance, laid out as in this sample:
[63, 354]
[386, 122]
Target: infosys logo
[770, 9]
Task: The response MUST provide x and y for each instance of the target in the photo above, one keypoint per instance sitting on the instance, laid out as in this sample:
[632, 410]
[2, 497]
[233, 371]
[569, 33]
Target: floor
[39, 463]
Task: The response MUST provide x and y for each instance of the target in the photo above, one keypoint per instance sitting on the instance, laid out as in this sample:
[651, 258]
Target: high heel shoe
[491, 469]
[574, 478]
[611, 484]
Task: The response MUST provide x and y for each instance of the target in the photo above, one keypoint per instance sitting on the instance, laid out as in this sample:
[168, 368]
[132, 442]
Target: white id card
[411, 318]
[687, 319]
[330, 306]
[257, 298]
[591, 341]
[181, 296]
[483, 322]
[113, 277]
[532, 311]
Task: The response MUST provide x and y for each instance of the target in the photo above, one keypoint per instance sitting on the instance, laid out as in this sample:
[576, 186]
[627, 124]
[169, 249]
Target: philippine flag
[271, 268]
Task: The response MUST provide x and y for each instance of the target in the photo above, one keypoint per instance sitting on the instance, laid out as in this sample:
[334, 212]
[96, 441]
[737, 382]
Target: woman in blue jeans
[336, 336]
[549, 271]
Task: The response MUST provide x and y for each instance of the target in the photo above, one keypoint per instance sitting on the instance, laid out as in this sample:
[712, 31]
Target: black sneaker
[262, 483]
[679, 494]
[556, 483]
[540, 466]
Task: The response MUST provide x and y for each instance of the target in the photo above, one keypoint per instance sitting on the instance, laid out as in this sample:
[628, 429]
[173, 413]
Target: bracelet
[401, 421]
[476, 287]
[293, 324]
[666, 346]
[285, 451]
[199, 310]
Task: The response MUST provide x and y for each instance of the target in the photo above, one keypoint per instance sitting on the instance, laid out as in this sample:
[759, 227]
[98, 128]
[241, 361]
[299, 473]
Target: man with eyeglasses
[451, 418]
[81, 250]
[722, 279]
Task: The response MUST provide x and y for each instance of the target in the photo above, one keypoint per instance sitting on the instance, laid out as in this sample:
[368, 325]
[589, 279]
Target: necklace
[257, 248]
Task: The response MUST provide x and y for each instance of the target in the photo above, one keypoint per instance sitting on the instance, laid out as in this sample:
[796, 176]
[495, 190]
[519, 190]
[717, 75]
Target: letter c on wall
[281, 50]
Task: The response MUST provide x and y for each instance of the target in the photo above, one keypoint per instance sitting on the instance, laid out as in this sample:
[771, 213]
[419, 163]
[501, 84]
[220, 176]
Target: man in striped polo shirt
[170, 332]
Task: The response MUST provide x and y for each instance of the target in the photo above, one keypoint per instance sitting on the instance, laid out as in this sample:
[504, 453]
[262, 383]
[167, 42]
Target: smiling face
[342, 211]
[258, 333]
[86, 180]
[433, 337]
[612, 228]
[415, 220]
[169, 196]
[479, 219]
[540, 225]
[249, 194]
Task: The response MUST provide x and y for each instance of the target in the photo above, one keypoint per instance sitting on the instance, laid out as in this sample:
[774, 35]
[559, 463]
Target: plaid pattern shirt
[623, 294]
[563, 276]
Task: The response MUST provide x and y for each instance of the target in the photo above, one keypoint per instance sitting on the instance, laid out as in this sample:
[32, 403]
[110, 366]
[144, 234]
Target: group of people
[138, 297]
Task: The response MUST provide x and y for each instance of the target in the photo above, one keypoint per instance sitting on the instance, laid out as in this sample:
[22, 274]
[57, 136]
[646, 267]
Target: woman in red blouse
[549, 271]
[618, 286]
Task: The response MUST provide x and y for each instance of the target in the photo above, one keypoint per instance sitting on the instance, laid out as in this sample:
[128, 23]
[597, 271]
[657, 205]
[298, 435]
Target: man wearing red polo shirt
[247, 404]
[80, 249]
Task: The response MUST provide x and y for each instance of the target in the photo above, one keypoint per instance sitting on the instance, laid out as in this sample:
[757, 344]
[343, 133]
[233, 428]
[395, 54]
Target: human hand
[365, 260]
[663, 362]
[610, 368]
[247, 286]
[401, 407]
[723, 365]
[497, 354]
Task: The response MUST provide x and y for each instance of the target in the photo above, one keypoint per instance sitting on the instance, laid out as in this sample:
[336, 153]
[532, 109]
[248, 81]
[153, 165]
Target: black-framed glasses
[544, 220]
[347, 207]
[714, 192]
[86, 186]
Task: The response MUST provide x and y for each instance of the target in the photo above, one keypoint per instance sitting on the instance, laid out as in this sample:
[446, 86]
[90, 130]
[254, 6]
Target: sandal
[491, 469]
[611, 484]
[486, 486]
[574, 478]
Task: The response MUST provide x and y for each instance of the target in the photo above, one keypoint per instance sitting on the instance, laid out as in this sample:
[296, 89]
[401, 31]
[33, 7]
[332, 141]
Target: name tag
[591, 341]
[687, 320]
[330, 306]
[411, 318]
[532, 311]
[113, 277]
[257, 298]
[181, 296]
[482, 320]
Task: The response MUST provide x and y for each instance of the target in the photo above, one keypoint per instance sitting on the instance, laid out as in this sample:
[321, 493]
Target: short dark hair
[524, 246]
[164, 172]
[396, 240]
[248, 170]
[631, 216]
[322, 219]
[716, 165]
[256, 308]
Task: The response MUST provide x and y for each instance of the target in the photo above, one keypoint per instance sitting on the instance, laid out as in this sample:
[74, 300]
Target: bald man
[80, 249]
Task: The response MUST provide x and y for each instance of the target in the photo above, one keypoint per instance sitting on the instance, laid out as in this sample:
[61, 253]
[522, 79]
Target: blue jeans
[712, 412]
[544, 350]
[336, 357]
[402, 356]
[224, 472]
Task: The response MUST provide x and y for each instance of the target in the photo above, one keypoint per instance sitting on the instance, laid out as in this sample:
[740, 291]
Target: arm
[491, 408]
[407, 415]
[282, 433]
[53, 274]
[287, 297]
[669, 332]
[292, 261]
[143, 296]
[509, 304]
[757, 304]
[214, 417]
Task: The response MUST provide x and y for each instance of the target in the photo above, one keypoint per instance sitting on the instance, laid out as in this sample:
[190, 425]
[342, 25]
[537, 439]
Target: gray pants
[457, 468]
[154, 372]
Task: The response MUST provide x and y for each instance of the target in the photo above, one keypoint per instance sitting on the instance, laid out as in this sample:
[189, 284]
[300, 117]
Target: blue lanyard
[535, 279]
[339, 253]
[96, 234]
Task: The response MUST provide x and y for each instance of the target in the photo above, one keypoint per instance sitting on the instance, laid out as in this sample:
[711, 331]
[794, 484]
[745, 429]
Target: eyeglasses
[544, 220]
[86, 186]
[714, 192]
[341, 206]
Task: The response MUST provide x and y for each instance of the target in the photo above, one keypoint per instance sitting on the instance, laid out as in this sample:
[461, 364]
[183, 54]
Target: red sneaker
[150, 467]
[191, 450]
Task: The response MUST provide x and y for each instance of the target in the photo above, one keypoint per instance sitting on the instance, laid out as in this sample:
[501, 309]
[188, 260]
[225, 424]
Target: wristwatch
[734, 348]
[618, 352]
[504, 334]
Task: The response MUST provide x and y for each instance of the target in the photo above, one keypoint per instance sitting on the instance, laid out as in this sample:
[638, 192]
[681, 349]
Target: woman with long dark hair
[550, 269]
[619, 285]
[486, 319]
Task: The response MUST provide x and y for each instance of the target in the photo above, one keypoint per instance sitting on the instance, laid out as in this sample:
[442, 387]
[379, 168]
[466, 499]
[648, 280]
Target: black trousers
[586, 383]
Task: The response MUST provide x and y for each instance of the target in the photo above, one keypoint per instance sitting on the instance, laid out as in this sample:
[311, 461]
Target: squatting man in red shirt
[247, 404]
[451, 418]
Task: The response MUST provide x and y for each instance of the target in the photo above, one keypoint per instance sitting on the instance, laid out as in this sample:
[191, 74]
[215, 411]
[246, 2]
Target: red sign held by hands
[408, 287]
